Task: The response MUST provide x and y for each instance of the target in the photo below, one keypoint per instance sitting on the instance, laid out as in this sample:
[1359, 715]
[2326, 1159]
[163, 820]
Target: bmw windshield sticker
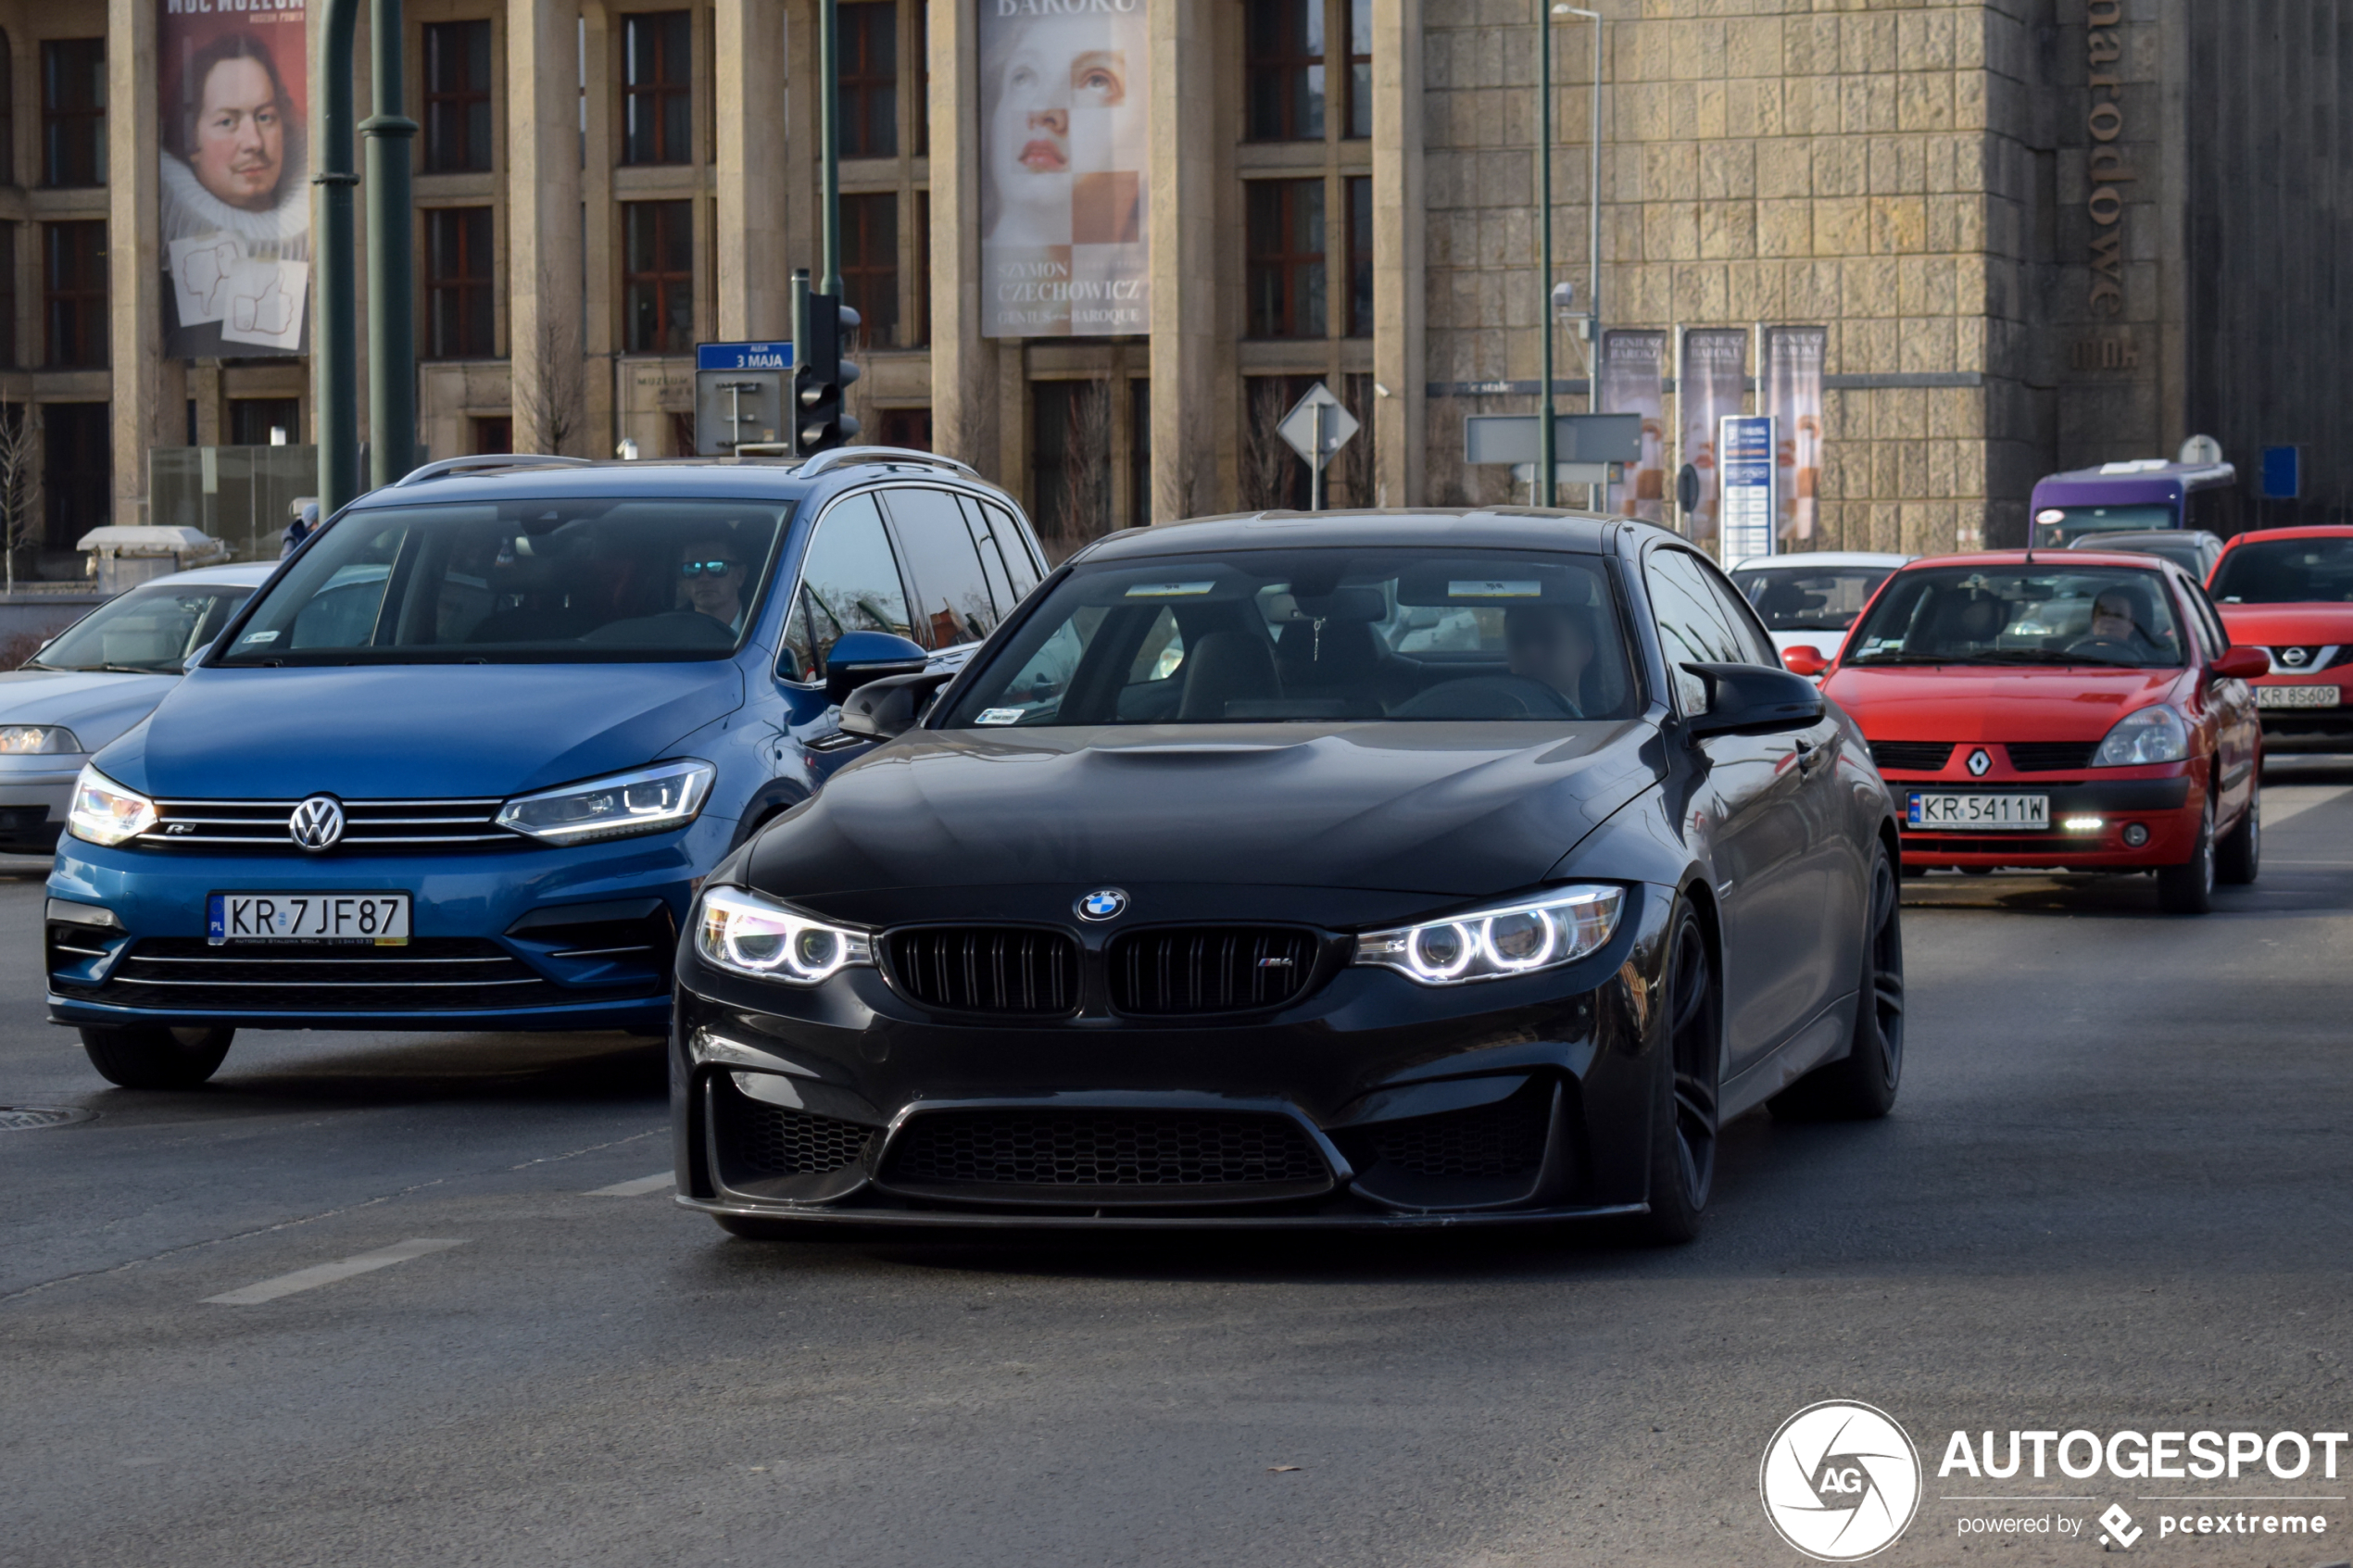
[1494, 590]
[1169, 590]
[998, 716]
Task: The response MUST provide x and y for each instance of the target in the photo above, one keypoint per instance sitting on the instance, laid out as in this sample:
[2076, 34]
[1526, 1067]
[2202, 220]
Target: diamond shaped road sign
[1298, 427]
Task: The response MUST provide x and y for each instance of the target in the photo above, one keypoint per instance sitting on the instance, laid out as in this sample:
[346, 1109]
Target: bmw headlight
[646, 800]
[36, 740]
[745, 933]
[104, 812]
[2153, 734]
[1495, 943]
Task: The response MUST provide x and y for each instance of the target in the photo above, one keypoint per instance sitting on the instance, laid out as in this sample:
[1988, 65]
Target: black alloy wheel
[1861, 1085]
[152, 1056]
[1683, 1126]
[2239, 858]
[2188, 888]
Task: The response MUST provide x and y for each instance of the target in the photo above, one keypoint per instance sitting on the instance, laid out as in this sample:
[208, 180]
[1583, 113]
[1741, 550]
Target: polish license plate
[378, 919]
[1973, 813]
[2297, 696]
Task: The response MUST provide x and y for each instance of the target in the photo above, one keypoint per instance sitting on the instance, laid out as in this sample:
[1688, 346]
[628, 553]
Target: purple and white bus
[2136, 496]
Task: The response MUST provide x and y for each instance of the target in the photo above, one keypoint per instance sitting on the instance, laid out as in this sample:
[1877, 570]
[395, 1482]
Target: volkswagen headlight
[104, 812]
[743, 933]
[1503, 940]
[2153, 734]
[36, 740]
[646, 800]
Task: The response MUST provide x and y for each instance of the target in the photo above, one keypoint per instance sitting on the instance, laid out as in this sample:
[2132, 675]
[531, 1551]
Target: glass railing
[239, 495]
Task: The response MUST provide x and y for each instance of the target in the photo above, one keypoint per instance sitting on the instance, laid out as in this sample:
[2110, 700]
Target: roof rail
[448, 466]
[837, 456]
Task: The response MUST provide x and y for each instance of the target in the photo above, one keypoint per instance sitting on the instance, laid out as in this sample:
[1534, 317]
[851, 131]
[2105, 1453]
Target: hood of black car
[1468, 810]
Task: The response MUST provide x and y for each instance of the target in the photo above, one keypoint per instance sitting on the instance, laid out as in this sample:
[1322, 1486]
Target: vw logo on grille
[1105, 903]
[1978, 763]
[2296, 658]
[317, 824]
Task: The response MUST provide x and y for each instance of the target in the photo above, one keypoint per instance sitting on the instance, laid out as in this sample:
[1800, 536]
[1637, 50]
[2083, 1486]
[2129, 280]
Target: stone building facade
[2040, 233]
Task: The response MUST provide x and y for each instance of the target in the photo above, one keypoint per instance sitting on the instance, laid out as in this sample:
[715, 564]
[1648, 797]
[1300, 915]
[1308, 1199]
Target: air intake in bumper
[1102, 1157]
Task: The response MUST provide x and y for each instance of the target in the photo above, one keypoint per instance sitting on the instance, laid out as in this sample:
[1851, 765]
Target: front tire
[2239, 858]
[1860, 1086]
[1682, 1157]
[152, 1056]
[2188, 888]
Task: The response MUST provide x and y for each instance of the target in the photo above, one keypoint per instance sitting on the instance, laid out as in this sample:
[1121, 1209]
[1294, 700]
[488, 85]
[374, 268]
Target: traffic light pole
[1546, 468]
[392, 334]
[800, 357]
[336, 347]
[829, 144]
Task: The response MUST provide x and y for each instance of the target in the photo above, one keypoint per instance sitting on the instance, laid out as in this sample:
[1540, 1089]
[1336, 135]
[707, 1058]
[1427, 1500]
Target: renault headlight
[1519, 937]
[646, 800]
[2153, 734]
[745, 933]
[104, 812]
[36, 740]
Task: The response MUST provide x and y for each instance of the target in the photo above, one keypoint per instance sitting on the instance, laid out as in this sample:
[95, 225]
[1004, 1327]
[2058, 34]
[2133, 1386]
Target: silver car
[96, 679]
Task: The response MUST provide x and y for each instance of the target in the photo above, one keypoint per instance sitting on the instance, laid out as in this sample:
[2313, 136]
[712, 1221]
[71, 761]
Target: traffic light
[821, 378]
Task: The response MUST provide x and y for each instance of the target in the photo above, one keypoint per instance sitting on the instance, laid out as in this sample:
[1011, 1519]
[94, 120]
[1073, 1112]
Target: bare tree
[857, 399]
[19, 452]
[1266, 457]
[1086, 461]
[967, 437]
[1354, 466]
[550, 379]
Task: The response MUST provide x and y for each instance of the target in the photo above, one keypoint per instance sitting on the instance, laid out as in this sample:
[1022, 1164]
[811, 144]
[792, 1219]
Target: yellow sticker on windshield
[1169, 590]
[1494, 590]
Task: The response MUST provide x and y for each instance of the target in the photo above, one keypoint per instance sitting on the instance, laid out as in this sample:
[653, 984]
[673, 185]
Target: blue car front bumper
[541, 937]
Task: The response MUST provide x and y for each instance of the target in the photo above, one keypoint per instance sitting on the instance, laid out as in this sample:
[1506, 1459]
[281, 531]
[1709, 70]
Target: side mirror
[2240, 664]
[1804, 659]
[1752, 701]
[861, 656]
[196, 658]
[888, 707]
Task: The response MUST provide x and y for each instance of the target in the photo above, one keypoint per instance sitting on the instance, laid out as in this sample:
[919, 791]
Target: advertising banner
[1707, 388]
[233, 81]
[1064, 113]
[1793, 396]
[1634, 382]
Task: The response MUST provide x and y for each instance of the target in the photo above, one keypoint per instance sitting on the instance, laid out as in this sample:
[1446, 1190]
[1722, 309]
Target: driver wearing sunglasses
[714, 580]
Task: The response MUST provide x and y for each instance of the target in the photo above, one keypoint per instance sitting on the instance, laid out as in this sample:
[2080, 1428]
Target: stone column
[1400, 351]
[965, 393]
[748, 56]
[544, 249]
[148, 396]
[1185, 241]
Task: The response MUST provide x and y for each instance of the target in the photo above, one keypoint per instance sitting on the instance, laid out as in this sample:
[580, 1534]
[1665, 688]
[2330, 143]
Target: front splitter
[946, 1219]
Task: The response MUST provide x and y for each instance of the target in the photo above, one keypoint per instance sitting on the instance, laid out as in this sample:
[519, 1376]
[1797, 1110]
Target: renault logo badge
[317, 824]
[1978, 763]
[1105, 903]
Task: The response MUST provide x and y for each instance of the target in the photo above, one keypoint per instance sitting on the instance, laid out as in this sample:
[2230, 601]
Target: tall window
[921, 335]
[7, 113]
[1360, 255]
[1140, 451]
[870, 264]
[1360, 68]
[657, 97]
[252, 421]
[658, 277]
[76, 470]
[923, 78]
[74, 293]
[460, 323]
[9, 361]
[1286, 276]
[869, 79]
[456, 96]
[1283, 67]
[73, 111]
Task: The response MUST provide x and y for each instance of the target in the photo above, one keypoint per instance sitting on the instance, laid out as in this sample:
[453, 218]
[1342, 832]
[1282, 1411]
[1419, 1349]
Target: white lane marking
[637, 1188]
[328, 1274]
[2276, 811]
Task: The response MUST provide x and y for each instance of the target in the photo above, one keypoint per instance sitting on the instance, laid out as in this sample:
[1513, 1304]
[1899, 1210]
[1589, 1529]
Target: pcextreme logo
[1840, 1481]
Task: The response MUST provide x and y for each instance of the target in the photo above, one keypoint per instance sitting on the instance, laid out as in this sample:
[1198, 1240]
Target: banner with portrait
[1793, 396]
[232, 76]
[1708, 385]
[1634, 382]
[1065, 106]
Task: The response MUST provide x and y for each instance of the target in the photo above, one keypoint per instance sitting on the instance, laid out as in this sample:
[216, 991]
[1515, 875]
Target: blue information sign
[743, 357]
[1745, 449]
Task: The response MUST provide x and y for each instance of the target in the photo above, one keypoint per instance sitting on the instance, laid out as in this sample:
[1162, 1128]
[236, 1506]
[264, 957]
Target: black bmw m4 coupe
[1292, 871]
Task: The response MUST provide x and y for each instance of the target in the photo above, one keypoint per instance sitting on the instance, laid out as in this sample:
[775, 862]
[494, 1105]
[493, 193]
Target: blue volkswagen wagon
[461, 761]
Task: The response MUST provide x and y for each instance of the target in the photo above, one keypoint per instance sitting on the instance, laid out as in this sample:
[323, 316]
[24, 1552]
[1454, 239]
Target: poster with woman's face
[1064, 112]
[236, 183]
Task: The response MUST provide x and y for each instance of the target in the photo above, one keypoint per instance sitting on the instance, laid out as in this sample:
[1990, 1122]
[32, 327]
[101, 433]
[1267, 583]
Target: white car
[96, 679]
[1811, 598]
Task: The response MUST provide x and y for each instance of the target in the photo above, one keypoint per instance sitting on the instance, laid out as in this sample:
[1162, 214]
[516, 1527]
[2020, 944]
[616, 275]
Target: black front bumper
[1370, 1101]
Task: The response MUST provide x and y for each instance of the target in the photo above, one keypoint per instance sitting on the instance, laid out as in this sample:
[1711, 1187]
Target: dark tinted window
[2043, 614]
[849, 582]
[1693, 626]
[1018, 563]
[953, 602]
[1809, 598]
[149, 628]
[2278, 571]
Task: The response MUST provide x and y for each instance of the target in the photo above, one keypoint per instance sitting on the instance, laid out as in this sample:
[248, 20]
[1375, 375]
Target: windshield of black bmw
[147, 632]
[2033, 615]
[1330, 634]
[520, 581]
[1809, 598]
[2287, 571]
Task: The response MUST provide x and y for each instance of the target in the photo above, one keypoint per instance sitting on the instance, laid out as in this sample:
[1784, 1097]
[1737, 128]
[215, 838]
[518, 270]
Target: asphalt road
[2115, 1195]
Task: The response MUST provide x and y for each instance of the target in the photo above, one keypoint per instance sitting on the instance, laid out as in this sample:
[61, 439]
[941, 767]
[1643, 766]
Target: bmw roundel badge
[1105, 903]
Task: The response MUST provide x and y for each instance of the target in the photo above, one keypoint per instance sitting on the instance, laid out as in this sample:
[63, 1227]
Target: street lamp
[1545, 12]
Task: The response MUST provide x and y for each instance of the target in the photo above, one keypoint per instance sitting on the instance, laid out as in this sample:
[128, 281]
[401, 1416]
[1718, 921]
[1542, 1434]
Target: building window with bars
[1360, 68]
[656, 92]
[456, 96]
[1283, 70]
[869, 81]
[1360, 255]
[1284, 233]
[460, 320]
[73, 111]
[870, 265]
[74, 293]
[658, 277]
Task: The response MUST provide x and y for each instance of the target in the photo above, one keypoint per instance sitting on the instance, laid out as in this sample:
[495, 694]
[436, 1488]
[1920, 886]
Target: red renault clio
[2289, 592]
[2077, 712]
